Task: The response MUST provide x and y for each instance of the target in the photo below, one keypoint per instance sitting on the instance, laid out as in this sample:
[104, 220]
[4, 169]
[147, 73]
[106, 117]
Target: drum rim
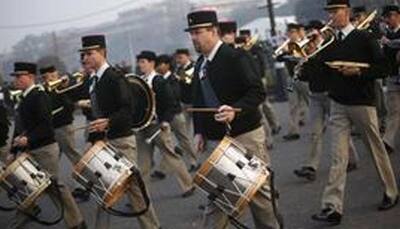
[116, 191]
[206, 168]
[150, 95]
[99, 145]
[29, 200]
[14, 165]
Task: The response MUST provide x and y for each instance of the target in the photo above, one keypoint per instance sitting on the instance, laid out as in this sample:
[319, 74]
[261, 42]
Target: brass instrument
[15, 95]
[368, 20]
[186, 75]
[278, 51]
[249, 44]
[56, 84]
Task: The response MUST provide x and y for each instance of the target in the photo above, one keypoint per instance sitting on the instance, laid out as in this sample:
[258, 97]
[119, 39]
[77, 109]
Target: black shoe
[81, 195]
[388, 148]
[351, 167]
[291, 137]
[302, 123]
[194, 168]
[188, 193]
[328, 215]
[276, 130]
[388, 203]
[306, 172]
[158, 175]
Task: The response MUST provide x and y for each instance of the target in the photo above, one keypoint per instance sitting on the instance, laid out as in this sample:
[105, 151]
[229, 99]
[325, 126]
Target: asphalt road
[298, 199]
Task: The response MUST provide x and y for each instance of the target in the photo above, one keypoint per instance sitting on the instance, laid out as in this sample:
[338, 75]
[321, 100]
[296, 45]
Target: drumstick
[152, 137]
[210, 110]
[80, 128]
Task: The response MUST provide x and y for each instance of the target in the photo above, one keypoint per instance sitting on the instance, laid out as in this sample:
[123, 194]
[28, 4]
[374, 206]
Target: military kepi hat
[227, 26]
[334, 4]
[201, 19]
[93, 42]
[23, 68]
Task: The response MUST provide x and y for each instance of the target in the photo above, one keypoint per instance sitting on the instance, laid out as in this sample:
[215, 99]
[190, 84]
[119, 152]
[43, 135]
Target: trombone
[368, 21]
[56, 85]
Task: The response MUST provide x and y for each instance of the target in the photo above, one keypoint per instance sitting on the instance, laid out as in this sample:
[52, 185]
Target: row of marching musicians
[226, 93]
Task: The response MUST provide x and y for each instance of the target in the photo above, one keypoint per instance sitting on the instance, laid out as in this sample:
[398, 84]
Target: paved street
[298, 199]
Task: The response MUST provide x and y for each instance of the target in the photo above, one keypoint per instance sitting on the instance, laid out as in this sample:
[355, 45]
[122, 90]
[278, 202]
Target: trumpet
[56, 85]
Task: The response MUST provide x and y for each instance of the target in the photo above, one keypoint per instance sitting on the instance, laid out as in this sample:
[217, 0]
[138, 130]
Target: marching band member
[391, 48]
[35, 133]
[351, 89]
[111, 109]
[184, 71]
[178, 123]
[171, 161]
[224, 79]
[319, 114]
[62, 111]
[227, 30]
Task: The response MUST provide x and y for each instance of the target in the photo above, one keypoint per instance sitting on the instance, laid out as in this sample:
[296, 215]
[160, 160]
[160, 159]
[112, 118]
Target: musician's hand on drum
[225, 114]
[199, 143]
[350, 71]
[99, 125]
[20, 141]
[164, 126]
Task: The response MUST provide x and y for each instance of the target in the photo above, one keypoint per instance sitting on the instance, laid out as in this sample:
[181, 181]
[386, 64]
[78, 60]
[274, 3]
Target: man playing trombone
[351, 64]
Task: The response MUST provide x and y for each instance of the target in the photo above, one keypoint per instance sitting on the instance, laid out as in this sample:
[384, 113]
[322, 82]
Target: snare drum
[231, 177]
[24, 181]
[105, 172]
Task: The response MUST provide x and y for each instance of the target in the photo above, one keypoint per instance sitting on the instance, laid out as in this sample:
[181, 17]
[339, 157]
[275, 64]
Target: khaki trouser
[366, 121]
[180, 129]
[270, 114]
[188, 118]
[269, 140]
[392, 133]
[170, 161]
[149, 220]
[298, 102]
[65, 138]
[319, 113]
[47, 157]
[260, 205]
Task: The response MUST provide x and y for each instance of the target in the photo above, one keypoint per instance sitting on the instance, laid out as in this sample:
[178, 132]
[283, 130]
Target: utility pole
[270, 8]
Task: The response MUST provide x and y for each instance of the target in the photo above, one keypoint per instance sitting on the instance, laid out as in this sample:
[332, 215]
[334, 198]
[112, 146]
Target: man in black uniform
[35, 135]
[171, 161]
[111, 105]
[184, 71]
[62, 112]
[225, 78]
[352, 91]
[178, 123]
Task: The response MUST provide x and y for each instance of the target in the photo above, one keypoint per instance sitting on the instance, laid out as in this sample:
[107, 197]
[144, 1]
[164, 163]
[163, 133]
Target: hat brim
[336, 6]
[89, 48]
[18, 73]
[198, 26]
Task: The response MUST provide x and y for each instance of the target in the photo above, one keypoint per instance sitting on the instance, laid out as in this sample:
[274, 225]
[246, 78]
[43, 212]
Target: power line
[67, 20]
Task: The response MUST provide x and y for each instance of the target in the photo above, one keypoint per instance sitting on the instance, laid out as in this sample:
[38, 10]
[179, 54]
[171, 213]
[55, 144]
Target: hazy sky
[23, 12]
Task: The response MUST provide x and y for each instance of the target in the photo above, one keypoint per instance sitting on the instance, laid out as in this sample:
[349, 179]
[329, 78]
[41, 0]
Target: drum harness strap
[142, 187]
[55, 187]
